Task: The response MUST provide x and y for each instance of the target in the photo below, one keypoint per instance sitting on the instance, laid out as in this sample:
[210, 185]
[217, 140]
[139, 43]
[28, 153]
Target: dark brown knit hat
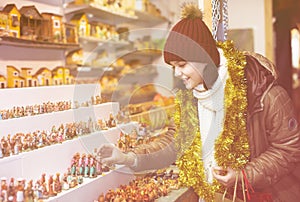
[191, 40]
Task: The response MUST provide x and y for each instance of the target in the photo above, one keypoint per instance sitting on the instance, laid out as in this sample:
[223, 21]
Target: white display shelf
[98, 41]
[13, 41]
[145, 19]
[57, 158]
[11, 97]
[48, 120]
[90, 189]
[53, 2]
[98, 12]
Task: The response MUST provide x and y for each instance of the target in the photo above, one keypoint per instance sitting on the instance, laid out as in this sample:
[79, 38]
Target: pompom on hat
[190, 39]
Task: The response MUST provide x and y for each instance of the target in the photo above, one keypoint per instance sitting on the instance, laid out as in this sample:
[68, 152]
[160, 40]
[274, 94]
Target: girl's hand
[225, 176]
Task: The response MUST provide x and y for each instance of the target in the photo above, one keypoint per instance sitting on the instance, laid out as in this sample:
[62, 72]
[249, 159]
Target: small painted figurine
[81, 165]
[11, 193]
[74, 163]
[29, 194]
[86, 166]
[37, 190]
[93, 163]
[101, 198]
[1, 150]
[79, 179]
[57, 183]
[45, 193]
[4, 188]
[111, 121]
[20, 189]
[65, 184]
[51, 191]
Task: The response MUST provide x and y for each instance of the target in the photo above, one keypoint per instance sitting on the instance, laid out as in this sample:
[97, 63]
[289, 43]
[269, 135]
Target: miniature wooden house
[53, 27]
[62, 75]
[95, 29]
[14, 80]
[4, 27]
[82, 24]
[58, 76]
[68, 78]
[30, 80]
[32, 23]
[44, 77]
[75, 57]
[2, 81]
[70, 33]
[14, 16]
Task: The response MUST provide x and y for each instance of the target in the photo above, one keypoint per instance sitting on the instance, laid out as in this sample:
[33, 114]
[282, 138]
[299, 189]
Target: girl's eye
[181, 64]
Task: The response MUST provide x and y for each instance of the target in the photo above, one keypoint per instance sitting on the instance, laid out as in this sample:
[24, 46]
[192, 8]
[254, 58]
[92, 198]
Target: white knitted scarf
[211, 115]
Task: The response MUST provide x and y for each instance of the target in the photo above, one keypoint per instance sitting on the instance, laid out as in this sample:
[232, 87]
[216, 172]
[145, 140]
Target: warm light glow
[201, 4]
[295, 43]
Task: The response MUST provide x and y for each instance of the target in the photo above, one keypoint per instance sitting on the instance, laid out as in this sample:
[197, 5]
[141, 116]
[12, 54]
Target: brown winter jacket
[273, 130]
[274, 133]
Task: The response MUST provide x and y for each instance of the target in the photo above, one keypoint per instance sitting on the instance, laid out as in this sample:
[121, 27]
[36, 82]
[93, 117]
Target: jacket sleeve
[282, 140]
[157, 154]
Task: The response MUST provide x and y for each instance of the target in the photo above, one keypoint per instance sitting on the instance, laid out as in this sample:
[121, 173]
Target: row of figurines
[128, 141]
[19, 190]
[46, 107]
[84, 166]
[87, 165]
[146, 189]
[21, 142]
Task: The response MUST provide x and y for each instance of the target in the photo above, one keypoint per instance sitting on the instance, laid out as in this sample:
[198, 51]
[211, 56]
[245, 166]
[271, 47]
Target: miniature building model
[13, 19]
[30, 80]
[75, 57]
[28, 23]
[2, 81]
[68, 78]
[44, 76]
[61, 75]
[14, 80]
[58, 76]
[53, 27]
[81, 22]
[4, 28]
[95, 29]
[70, 33]
[31, 23]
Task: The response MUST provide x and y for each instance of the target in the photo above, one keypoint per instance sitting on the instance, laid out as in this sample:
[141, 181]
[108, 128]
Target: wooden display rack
[13, 41]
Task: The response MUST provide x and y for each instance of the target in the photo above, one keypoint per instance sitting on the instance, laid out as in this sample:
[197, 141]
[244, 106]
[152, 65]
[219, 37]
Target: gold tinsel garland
[231, 147]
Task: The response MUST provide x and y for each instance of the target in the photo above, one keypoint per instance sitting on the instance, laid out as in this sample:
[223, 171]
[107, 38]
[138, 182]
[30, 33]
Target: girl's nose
[177, 71]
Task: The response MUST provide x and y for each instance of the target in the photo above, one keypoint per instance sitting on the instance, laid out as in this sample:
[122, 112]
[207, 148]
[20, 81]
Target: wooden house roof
[31, 12]
[9, 7]
[13, 67]
[58, 67]
[51, 14]
[77, 16]
[41, 70]
[26, 68]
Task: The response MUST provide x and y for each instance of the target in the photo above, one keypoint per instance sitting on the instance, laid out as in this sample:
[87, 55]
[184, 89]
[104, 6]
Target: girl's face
[188, 73]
